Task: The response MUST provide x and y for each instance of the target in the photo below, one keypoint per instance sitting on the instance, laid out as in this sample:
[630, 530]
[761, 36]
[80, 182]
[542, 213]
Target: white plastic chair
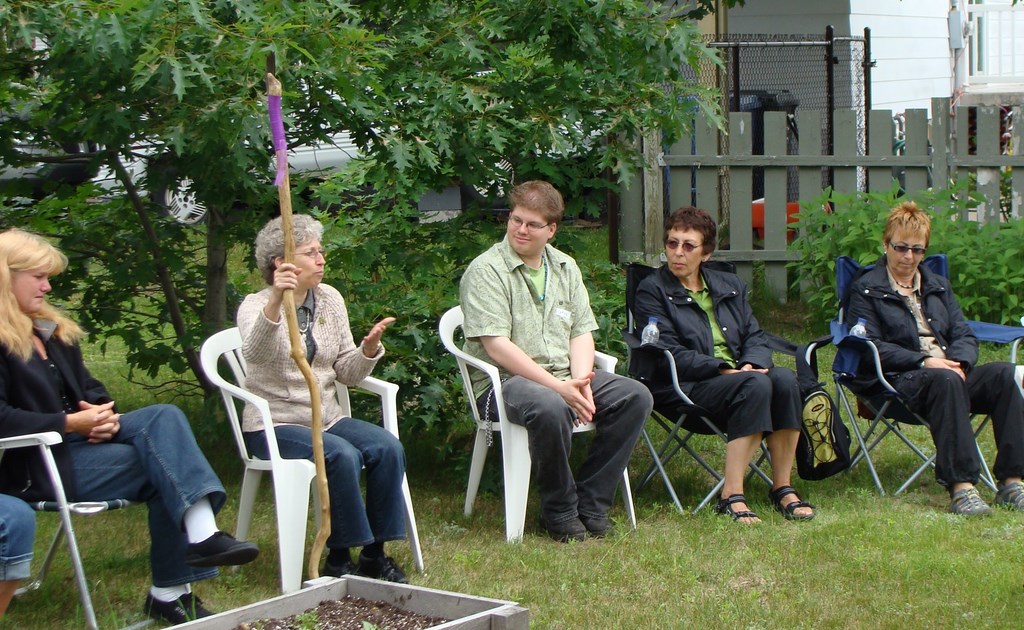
[292, 478]
[44, 441]
[515, 447]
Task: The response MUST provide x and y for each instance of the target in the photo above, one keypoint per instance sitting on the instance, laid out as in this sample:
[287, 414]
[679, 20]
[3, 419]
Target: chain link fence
[796, 74]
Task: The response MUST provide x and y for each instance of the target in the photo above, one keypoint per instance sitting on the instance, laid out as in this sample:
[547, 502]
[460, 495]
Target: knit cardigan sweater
[273, 375]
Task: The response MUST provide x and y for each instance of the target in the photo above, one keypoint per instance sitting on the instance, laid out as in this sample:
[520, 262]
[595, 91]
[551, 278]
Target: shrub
[985, 260]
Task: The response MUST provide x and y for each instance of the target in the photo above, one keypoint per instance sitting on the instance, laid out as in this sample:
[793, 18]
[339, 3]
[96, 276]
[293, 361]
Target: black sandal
[724, 506]
[789, 511]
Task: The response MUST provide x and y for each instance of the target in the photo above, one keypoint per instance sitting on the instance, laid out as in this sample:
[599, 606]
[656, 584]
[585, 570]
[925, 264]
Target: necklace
[904, 286]
[544, 263]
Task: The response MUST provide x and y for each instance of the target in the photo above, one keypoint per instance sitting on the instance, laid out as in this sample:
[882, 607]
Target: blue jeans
[17, 533]
[153, 458]
[623, 406]
[350, 445]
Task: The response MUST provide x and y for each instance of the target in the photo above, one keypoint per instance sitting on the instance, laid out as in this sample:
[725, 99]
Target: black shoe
[565, 531]
[337, 570]
[219, 550]
[381, 568]
[598, 526]
[186, 608]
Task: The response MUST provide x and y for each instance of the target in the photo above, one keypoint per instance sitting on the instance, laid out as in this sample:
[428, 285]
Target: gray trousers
[623, 406]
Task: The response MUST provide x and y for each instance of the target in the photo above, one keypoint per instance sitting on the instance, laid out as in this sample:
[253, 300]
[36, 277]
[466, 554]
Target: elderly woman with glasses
[349, 444]
[929, 355]
[723, 361]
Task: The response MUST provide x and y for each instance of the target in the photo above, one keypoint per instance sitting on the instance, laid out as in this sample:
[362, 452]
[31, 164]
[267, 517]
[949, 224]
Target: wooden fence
[868, 153]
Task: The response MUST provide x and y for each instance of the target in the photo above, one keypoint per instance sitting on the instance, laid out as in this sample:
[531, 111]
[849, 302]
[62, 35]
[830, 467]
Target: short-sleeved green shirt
[499, 300]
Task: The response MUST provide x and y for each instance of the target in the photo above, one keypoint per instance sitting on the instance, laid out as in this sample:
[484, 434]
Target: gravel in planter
[348, 613]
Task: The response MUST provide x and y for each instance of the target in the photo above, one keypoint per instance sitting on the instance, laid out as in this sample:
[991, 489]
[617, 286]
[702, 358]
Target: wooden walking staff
[298, 348]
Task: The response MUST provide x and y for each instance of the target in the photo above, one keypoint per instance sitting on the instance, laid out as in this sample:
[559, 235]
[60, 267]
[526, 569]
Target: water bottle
[859, 330]
[650, 333]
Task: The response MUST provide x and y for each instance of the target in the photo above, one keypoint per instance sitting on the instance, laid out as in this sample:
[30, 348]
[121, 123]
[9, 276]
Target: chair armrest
[605, 362]
[489, 369]
[230, 391]
[388, 393]
[674, 374]
[875, 359]
[49, 438]
[246, 396]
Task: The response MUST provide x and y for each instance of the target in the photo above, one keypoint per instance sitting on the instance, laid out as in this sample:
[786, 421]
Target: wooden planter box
[465, 611]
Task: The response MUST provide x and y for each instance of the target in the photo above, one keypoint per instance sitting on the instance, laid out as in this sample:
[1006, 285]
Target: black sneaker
[186, 608]
[381, 568]
[219, 550]
[598, 526]
[565, 531]
[337, 570]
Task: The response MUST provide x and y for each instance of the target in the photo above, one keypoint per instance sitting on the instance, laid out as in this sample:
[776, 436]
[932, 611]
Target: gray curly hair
[270, 241]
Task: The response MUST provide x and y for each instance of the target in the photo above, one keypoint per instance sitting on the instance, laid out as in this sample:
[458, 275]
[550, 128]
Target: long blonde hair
[24, 251]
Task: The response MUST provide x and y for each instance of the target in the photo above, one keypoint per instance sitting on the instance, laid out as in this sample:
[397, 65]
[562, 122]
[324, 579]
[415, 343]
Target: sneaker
[1011, 496]
[186, 608]
[598, 526]
[381, 568]
[565, 531]
[338, 570]
[219, 550]
[967, 502]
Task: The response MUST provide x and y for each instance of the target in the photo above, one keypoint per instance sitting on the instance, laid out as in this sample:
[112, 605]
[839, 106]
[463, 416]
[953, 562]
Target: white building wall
[791, 17]
[910, 44]
[909, 40]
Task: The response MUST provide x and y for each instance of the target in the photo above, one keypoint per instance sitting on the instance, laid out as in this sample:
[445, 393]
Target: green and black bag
[824, 445]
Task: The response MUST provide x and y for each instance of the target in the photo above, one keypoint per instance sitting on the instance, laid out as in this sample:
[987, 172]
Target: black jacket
[30, 402]
[685, 330]
[893, 329]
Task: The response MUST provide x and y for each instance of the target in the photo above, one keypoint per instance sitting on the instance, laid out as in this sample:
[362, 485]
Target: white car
[181, 203]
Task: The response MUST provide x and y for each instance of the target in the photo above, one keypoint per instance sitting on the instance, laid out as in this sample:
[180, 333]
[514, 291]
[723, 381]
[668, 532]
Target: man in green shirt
[527, 311]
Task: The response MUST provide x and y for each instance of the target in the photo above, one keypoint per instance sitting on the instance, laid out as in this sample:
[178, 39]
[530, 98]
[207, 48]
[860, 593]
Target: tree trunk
[163, 273]
[215, 308]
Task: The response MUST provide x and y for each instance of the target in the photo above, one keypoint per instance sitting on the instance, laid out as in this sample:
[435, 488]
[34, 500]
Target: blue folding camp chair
[885, 412]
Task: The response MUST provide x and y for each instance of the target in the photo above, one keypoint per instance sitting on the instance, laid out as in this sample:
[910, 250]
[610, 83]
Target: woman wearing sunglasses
[723, 361]
[929, 355]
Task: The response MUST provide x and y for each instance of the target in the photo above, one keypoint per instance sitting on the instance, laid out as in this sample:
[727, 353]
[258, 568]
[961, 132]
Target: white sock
[169, 593]
[199, 521]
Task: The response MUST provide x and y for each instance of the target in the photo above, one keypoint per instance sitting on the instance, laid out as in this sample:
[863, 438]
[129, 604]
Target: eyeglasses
[687, 246]
[532, 226]
[313, 253]
[903, 249]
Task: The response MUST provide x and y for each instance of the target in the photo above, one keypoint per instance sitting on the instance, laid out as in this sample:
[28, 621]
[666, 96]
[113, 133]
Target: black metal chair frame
[679, 432]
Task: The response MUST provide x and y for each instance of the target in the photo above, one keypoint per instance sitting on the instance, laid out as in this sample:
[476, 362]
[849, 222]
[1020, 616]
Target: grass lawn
[866, 561]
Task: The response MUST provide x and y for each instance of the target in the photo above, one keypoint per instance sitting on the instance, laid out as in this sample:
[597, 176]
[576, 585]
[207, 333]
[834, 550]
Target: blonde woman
[930, 356]
[147, 455]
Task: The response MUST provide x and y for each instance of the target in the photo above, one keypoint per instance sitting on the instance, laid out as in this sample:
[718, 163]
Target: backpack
[823, 448]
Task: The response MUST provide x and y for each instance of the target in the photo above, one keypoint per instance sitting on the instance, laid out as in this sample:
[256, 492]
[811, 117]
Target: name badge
[563, 314]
